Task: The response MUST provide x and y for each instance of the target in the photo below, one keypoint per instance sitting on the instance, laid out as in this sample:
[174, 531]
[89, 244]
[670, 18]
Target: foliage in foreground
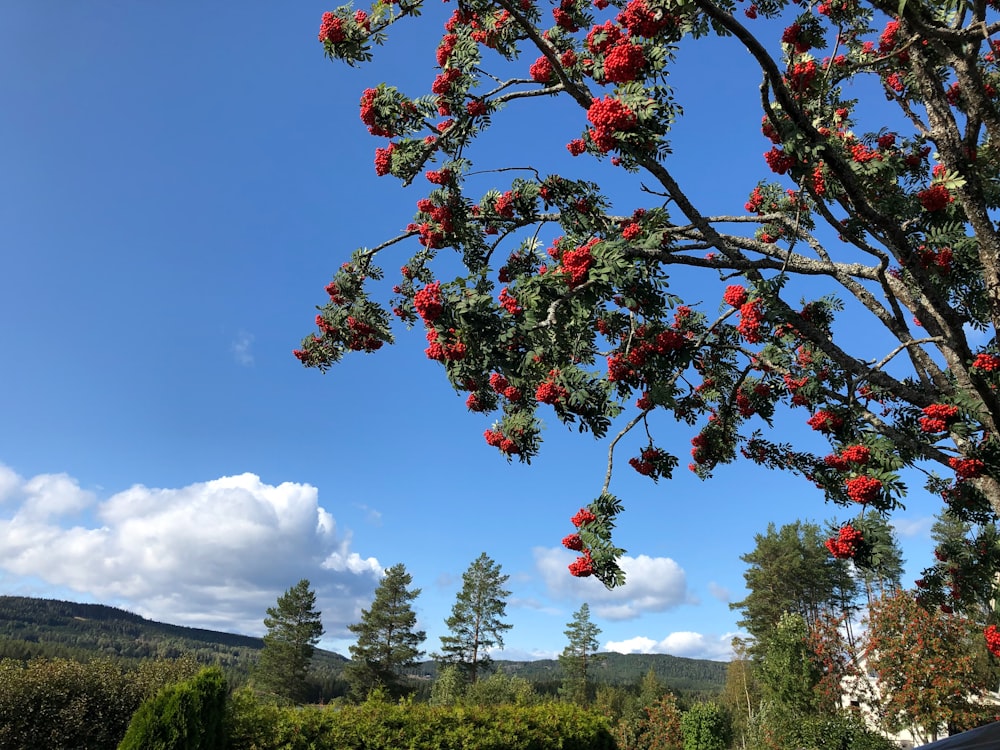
[60, 703]
[875, 213]
[379, 725]
[189, 715]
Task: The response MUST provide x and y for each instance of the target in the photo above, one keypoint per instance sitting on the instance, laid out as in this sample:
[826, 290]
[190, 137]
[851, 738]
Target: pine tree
[791, 570]
[387, 640]
[293, 629]
[476, 621]
[577, 657]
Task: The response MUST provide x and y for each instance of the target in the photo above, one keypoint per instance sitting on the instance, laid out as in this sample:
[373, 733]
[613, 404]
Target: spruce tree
[294, 626]
[387, 642]
[476, 621]
[578, 655]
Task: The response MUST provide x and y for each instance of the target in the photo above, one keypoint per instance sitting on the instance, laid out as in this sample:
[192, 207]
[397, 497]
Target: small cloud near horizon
[655, 584]
[682, 643]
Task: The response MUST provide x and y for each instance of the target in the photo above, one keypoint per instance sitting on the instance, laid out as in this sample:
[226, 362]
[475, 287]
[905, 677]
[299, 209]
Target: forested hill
[47, 627]
[677, 673]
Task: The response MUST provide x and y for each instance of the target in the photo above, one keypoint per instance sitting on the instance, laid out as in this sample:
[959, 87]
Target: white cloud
[653, 584]
[214, 554]
[682, 643]
[911, 527]
[242, 348]
[720, 592]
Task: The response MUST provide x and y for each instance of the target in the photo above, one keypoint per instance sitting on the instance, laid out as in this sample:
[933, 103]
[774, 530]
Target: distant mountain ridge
[49, 627]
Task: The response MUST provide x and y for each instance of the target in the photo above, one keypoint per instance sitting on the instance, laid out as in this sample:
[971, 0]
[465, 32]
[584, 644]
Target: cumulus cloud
[682, 643]
[214, 554]
[653, 584]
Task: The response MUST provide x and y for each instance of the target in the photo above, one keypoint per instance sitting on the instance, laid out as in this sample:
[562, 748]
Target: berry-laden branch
[565, 306]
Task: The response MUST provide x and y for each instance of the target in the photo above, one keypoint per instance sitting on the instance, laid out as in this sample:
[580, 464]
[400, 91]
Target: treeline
[679, 674]
[47, 628]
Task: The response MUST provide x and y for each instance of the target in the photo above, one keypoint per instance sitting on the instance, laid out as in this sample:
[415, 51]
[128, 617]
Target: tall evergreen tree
[578, 655]
[294, 626]
[476, 621]
[791, 570]
[387, 642]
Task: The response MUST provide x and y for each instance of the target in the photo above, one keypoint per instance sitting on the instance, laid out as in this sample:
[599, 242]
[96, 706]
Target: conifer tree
[294, 626]
[579, 655]
[791, 570]
[387, 642]
[476, 621]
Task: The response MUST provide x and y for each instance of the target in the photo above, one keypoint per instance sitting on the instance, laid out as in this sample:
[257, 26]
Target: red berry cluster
[846, 544]
[856, 454]
[331, 29]
[609, 116]
[549, 392]
[361, 337]
[967, 468]
[541, 70]
[500, 385]
[938, 260]
[497, 439]
[863, 489]
[509, 303]
[450, 349]
[937, 417]
[751, 318]
[577, 262]
[986, 362]
[735, 296]
[779, 161]
[582, 566]
[583, 517]
[369, 114]
[573, 542]
[641, 21]
[383, 159]
[648, 461]
[623, 63]
[428, 302]
[825, 421]
[992, 636]
[935, 198]
[600, 39]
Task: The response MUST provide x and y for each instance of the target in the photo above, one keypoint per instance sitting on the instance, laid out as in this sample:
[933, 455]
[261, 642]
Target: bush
[187, 716]
[47, 704]
[379, 725]
[774, 729]
[706, 726]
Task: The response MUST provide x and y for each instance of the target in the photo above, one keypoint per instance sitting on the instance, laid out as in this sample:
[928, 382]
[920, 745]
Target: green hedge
[190, 715]
[377, 725]
[57, 704]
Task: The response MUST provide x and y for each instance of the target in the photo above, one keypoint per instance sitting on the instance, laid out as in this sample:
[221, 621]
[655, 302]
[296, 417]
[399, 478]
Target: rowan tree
[294, 627]
[388, 641]
[477, 622]
[579, 656]
[925, 668]
[874, 212]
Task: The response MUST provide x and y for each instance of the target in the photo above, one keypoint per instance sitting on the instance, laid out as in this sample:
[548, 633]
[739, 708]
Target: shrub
[380, 725]
[63, 703]
[187, 716]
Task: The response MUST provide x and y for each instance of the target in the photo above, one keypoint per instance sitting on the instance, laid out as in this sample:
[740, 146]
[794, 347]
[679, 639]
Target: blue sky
[177, 188]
